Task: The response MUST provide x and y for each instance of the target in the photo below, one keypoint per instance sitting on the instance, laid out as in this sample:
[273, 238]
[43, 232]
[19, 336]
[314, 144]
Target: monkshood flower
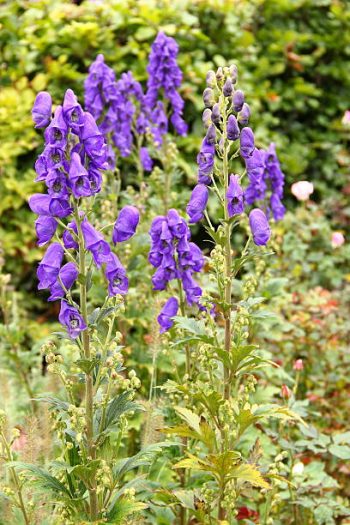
[42, 108]
[259, 226]
[78, 178]
[197, 204]
[126, 224]
[234, 195]
[243, 115]
[205, 161]
[275, 176]
[116, 275]
[72, 111]
[238, 100]
[72, 319]
[145, 158]
[174, 256]
[255, 166]
[95, 243]
[66, 277]
[247, 142]
[168, 312]
[165, 75]
[67, 237]
[45, 228]
[43, 204]
[98, 87]
[50, 265]
[56, 133]
[232, 128]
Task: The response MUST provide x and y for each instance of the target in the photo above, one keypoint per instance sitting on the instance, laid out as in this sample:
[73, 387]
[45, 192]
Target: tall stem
[89, 388]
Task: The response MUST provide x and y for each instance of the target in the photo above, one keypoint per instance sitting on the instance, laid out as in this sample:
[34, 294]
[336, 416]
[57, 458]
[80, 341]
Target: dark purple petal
[234, 195]
[67, 275]
[126, 224]
[232, 128]
[238, 100]
[95, 243]
[168, 311]
[259, 226]
[116, 274]
[247, 142]
[42, 108]
[197, 203]
[49, 266]
[71, 319]
[45, 228]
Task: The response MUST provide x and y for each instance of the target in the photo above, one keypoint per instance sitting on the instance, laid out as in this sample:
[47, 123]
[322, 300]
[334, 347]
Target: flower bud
[211, 134]
[219, 74]
[207, 117]
[285, 392]
[208, 98]
[338, 239]
[298, 365]
[244, 114]
[238, 100]
[211, 79]
[232, 128]
[234, 73]
[228, 88]
[215, 114]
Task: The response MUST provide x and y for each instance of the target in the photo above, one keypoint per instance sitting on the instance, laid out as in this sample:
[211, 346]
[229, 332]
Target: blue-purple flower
[198, 202]
[42, 108]
[205, 161]
[66, 276]
[116, 275]
[234, 195]
[168, 312]
[126, 224]
[45, 228]
[232, 128]
[247, 143]
[95, 243]
[259, 226]
[50, 265]
[71, 318]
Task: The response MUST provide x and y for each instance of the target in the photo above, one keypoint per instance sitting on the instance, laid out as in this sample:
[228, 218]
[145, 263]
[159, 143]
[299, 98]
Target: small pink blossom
[302, 190]
[285, 392]
[338, 239]
[346, 118]
[298, 365]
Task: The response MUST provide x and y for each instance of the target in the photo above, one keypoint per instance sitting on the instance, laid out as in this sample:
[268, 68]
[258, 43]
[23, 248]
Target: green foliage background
[292, 56]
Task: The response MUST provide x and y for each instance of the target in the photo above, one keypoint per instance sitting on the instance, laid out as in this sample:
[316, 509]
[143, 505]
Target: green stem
[183, 313]
[89, 391]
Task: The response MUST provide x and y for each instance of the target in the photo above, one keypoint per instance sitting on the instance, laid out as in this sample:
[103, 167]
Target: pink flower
[298, 365]
[338, 238]
[285, 392]
[302, 190]
[346, 118]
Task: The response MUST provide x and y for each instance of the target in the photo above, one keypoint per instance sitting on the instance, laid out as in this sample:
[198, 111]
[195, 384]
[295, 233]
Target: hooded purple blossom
[93, 141]
[205, 161]
[255, 165]
[234, 195]
[197, 203]
[67, 237]
[168, 311]
[275, 176]
[42, 204]
[45, 228]
[165, 75]
[99, 86]
[78, 178]
[50, 265]
[67, 275]
[71, 319]
[72, 111]
[56, 133]
[243, 115]
[232, 128]
[259, 226]
[238, 100]
[247, 142]
[42, 108]
[115, 272]
[95, 243]
[145, 158]
[126, 224]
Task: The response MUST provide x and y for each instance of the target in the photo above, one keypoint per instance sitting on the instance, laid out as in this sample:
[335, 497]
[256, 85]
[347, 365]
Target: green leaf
[248, 473]
[340, 451]
[86, 365]
[44, 479]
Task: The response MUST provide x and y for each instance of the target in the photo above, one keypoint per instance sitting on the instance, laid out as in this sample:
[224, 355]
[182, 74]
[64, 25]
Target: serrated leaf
[86, 365]
[43, 478]
[248, 473]
[190, 417]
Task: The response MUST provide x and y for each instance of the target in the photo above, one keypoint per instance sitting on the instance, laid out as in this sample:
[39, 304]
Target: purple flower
[115, 272]
[274, 174]
[205, 161]
[243, 115]
[99, 86]
[228, 88]
[247, 142]
[179, 124]
[238, 100]
[255, 166]
[216, 114]
[232, 128]
[234, 195]
[67, 275]
[192, 290]
[259, 226]
[72, 111]
[43, 204]
[41, 112]
[67, 237]
[50, 265]
[93, 141]
[278, 210]
[210, 136]
[78, 178]
[95, 243]
[168, 311]
[56, 133]
[56, 182]
[197, 203]
[45, 228]
[126, 224]
[72, 319]
[146, 161]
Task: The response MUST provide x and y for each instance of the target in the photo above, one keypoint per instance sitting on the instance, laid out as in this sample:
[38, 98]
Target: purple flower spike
[71, 319]
[67, 275]
[247, 142]
[95, 243]
[146, 161]
[78, 178]
[232, 128]
[50, 265]
[126, 224]
[259, 226]
[235, 201]
[117, 280]
[41, 112]
[168, 311]
[72, 111]
[45, 228]
[197, 203]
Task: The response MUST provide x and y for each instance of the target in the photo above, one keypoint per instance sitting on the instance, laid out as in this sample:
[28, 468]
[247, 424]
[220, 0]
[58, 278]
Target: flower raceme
[74, 156]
